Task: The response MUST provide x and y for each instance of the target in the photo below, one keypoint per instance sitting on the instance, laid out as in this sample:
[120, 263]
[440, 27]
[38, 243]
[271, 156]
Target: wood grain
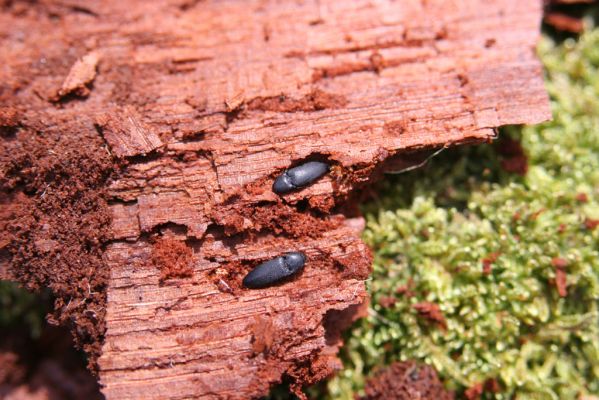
[205, 103]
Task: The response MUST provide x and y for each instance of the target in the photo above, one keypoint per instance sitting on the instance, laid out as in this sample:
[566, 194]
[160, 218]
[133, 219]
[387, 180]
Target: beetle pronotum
[299, 177]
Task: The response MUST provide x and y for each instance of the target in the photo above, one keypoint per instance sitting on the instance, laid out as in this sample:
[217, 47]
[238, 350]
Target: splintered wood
[205, 103]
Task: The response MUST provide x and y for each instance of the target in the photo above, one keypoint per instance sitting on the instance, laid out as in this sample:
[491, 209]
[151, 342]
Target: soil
[406, 381]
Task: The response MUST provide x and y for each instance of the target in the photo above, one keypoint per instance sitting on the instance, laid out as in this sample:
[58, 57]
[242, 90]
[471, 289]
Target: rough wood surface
[206, 103]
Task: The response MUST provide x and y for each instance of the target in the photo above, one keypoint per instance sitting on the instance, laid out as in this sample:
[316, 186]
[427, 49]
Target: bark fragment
[80, 76]
[126, 134]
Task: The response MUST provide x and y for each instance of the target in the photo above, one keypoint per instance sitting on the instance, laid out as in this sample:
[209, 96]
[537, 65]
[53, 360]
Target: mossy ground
[485, 245]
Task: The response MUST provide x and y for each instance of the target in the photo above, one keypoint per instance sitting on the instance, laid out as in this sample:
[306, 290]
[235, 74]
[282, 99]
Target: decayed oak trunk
[204, 103]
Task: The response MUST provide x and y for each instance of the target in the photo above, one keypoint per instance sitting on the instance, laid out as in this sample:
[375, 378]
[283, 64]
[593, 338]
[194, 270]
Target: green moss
[21, 310]
[431, 230]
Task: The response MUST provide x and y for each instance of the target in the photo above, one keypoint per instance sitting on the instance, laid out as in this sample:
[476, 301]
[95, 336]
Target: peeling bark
[203, 104]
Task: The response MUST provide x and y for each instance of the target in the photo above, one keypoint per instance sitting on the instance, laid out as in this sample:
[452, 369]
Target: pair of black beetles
[279, 268]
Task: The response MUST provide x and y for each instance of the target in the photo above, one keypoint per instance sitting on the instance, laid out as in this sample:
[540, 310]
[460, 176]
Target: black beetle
[300, 176]
[274, 270]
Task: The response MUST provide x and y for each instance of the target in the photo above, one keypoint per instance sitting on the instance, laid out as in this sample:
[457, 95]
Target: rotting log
[202, 104]
[567, 15]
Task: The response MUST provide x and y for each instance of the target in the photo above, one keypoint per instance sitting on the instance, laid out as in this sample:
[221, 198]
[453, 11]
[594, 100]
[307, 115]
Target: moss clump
[487, 247]
[22, 311]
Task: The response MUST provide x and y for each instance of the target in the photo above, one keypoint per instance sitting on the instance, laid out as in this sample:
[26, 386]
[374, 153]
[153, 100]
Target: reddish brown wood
[80, 77]
[125, 133]
[566, 15]
[406, 381]
[205, 103]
